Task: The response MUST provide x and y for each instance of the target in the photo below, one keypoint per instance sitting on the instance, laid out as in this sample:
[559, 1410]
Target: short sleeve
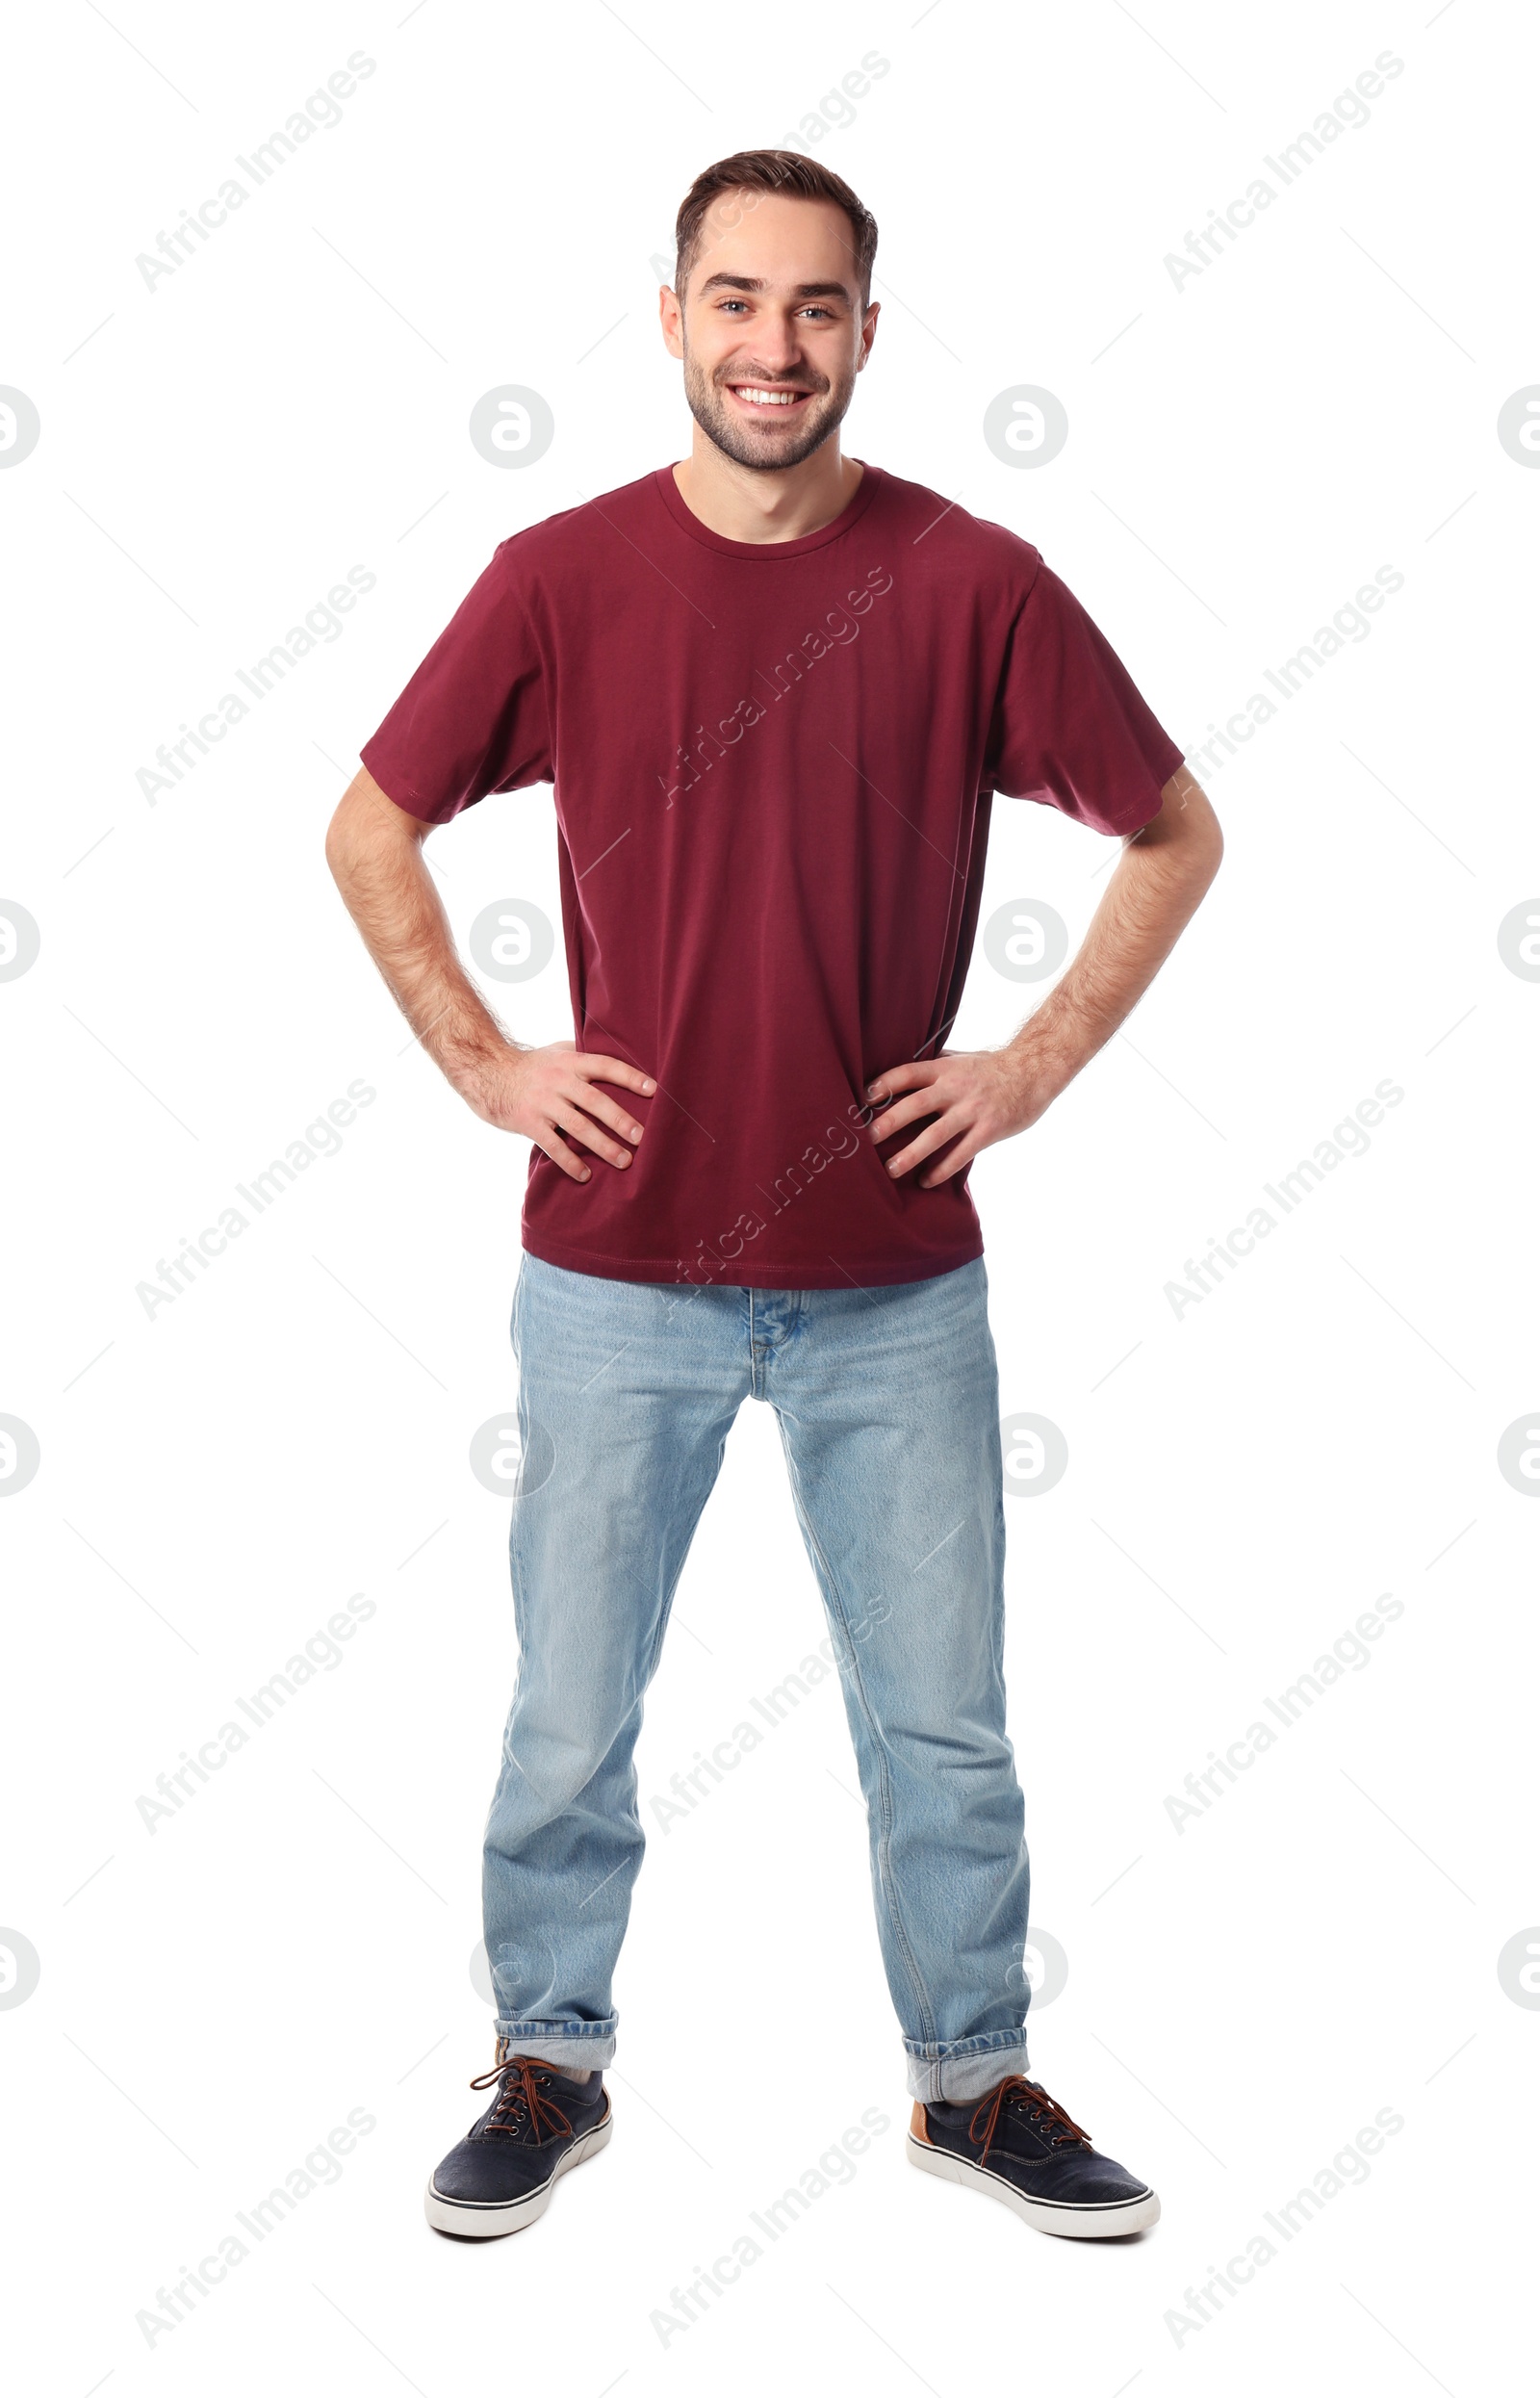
[475, 716]
[1069, 726]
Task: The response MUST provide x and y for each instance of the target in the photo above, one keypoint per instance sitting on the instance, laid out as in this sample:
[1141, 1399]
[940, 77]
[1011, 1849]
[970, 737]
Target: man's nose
[777, 348]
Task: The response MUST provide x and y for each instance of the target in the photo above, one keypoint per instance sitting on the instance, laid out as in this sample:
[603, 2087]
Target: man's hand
[374, 849]
[975, 1096]
[547, 1093]
[979, 1096]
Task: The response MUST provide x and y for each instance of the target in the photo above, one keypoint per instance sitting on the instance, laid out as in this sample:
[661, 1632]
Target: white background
[1245, 1479]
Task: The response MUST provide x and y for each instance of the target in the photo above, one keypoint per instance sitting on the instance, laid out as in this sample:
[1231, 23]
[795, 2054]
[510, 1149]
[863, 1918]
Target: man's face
[772, 331]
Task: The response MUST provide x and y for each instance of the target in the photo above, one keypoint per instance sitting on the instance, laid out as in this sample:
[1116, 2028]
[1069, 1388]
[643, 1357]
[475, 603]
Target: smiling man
[777, 691]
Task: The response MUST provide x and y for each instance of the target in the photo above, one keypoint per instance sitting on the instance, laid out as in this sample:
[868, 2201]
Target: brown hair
[773, 170]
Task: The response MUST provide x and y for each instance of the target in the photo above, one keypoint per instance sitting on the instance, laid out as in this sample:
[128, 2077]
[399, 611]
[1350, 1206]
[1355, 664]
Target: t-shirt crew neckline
[861, 500]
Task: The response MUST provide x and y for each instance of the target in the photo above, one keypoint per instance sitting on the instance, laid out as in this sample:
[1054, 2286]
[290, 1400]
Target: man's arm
[982, 1096]
[375, 850]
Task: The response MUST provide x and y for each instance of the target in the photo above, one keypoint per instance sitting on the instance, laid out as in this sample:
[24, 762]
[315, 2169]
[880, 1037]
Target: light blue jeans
[888, 1410]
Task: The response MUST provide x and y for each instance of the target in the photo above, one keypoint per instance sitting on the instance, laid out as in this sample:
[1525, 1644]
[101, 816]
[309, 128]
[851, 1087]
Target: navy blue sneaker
[501, 2175]
[1020, 2145]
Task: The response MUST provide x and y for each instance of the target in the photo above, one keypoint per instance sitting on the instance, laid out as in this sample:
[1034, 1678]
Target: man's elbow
[338, 845]
[1190, 828]
[363, 824]
[1209, 851]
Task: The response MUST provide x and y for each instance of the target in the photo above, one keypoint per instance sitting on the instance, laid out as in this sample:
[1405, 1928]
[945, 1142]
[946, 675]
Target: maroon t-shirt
[773, 765]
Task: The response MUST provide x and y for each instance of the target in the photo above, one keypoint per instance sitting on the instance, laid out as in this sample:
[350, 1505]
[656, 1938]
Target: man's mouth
[766, 398]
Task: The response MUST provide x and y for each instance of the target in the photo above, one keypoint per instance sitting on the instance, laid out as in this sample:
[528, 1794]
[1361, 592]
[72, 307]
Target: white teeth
[762, 399]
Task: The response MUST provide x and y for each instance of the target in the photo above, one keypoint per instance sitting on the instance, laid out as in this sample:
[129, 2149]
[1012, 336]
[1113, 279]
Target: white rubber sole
[1071, 2222]
[471, 2221]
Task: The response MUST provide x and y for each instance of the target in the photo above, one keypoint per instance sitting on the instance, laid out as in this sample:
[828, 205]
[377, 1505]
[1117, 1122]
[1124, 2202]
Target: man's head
[771, 309]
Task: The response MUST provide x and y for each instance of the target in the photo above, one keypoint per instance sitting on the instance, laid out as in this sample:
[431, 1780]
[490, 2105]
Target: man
[776, 689]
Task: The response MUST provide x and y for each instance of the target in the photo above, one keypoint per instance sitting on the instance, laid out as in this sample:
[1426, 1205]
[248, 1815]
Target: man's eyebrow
[757, 283]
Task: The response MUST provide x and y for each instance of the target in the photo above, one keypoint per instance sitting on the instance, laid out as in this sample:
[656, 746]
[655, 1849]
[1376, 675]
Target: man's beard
[710, 410]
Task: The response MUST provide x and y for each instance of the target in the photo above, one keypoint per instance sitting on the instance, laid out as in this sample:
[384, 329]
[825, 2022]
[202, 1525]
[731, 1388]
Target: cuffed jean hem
[964, 2069]
[587, 2045]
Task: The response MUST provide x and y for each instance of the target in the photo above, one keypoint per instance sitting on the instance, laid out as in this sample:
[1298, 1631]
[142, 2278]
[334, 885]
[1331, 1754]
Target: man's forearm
[550, 1094]
[394, 901]
[1154, 889]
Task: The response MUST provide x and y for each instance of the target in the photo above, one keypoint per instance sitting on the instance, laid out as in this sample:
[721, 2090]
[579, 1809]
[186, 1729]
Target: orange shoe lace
[519, 2102]
[1017, 2091]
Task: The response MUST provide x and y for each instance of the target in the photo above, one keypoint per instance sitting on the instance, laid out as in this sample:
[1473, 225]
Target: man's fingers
[580, 1127]
[926, 1143]
[559, 1154]
[608, 1111]
[902, 1077]
[906, 1111]
[962, 1153]
[599, 1068]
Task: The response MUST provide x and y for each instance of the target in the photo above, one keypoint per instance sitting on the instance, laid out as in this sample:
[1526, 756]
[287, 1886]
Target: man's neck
[743, 505]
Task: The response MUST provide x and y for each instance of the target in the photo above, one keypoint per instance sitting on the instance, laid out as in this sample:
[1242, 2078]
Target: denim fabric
[888, 1412]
